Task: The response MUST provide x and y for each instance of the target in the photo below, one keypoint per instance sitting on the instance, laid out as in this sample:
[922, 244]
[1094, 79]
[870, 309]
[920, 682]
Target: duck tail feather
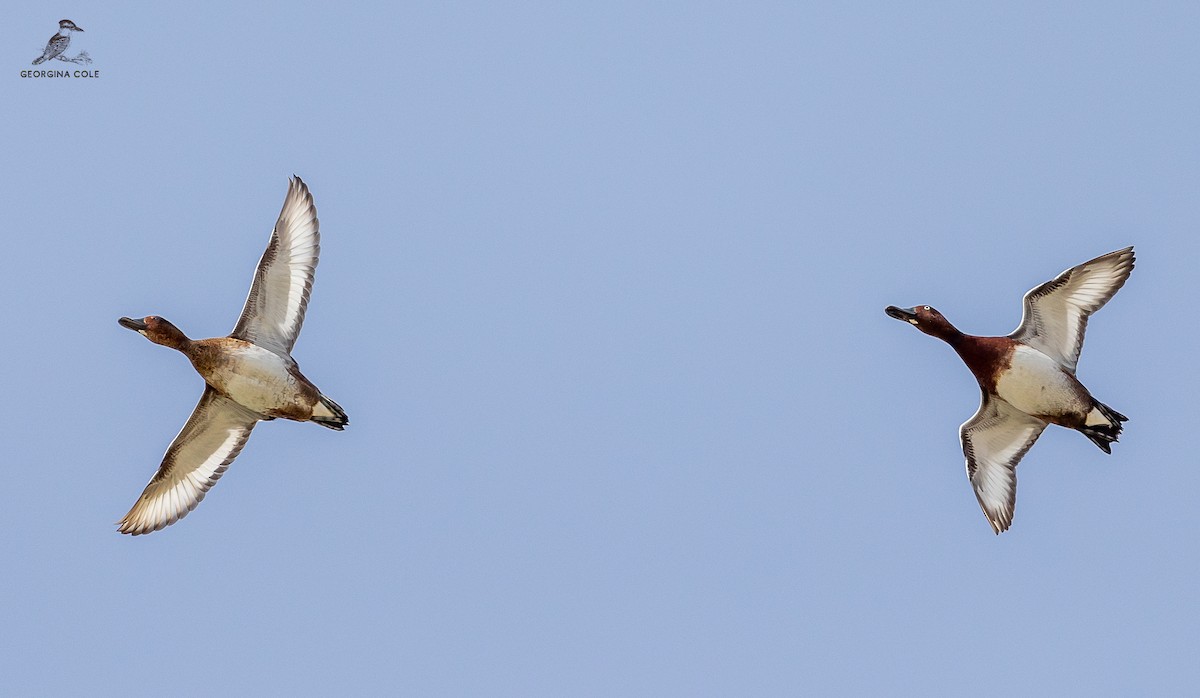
[1105, 434]
[330, 414]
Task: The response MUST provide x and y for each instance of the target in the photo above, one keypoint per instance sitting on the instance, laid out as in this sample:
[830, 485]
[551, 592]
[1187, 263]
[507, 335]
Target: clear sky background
[602, 291]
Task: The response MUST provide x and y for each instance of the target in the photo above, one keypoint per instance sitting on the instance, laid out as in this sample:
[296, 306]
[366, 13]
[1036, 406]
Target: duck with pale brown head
[249, 376]
[157, 330]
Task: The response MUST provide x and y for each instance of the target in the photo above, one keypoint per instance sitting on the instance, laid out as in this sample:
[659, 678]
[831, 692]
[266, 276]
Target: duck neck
[175, 340]
[949, 334]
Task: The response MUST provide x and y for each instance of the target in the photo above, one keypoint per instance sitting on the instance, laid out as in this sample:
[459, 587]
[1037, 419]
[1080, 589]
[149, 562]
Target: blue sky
[602, 292]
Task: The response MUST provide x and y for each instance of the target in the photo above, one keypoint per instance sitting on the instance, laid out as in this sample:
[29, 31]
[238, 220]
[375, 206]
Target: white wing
[199, 455]
[994, 441]
[1056, 313]
[274, 309]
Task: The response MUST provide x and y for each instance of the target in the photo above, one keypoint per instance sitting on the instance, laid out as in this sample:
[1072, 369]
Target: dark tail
[332, 416]
[1104, 434]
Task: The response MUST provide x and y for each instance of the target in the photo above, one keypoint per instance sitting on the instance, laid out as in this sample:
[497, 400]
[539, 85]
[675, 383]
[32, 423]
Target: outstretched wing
[994, 441]
[196, 459]
[278, 297]
[1056, 313]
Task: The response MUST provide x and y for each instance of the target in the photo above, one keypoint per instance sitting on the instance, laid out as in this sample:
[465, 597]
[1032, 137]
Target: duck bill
[131, 324]
[905, 314]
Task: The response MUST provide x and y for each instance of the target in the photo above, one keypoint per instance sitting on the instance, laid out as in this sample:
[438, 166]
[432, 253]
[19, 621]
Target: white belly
[1036, 384]
[256, 378]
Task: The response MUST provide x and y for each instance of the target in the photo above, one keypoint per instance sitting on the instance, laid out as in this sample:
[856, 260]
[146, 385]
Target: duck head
[925, 318]
[157, 330]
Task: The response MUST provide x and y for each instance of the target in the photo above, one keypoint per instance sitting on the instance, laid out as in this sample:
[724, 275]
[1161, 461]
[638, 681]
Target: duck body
[256, 378]
[1034, 384]
[263, 382]
[1027, 378]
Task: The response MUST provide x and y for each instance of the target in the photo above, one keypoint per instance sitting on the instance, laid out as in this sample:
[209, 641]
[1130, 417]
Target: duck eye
[928, 308]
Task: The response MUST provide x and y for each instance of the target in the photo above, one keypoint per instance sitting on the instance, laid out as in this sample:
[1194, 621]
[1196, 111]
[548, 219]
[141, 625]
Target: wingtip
[1128, 259]
[139, 522]
[128, 528]
[297, 188]
[1125, 253]
[999, 519]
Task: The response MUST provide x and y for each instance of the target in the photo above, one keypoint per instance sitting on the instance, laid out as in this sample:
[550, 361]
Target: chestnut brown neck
[987, 357]
[944, 331]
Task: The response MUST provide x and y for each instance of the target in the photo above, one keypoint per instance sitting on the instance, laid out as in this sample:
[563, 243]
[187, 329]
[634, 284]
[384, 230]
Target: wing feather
[994, 441]
[274, 310]
[1056, 313]
[213, 436]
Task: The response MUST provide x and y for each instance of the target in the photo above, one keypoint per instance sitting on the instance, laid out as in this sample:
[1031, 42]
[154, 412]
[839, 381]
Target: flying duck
[1028, 377]
[249, 376]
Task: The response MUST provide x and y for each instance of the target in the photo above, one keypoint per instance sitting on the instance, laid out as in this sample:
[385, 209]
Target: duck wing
[196, 459]
[1056, 313]
[274, 310]
[994, 441]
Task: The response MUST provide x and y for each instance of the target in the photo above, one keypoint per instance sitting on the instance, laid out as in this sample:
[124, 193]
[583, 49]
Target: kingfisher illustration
[59, 42]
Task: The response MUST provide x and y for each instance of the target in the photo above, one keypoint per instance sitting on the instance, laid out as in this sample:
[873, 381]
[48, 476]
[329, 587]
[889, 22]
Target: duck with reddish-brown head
[1028, 377]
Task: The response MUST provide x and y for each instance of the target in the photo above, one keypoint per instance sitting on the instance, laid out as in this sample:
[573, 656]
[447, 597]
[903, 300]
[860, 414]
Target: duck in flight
[249, 376]
[1028, 377]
